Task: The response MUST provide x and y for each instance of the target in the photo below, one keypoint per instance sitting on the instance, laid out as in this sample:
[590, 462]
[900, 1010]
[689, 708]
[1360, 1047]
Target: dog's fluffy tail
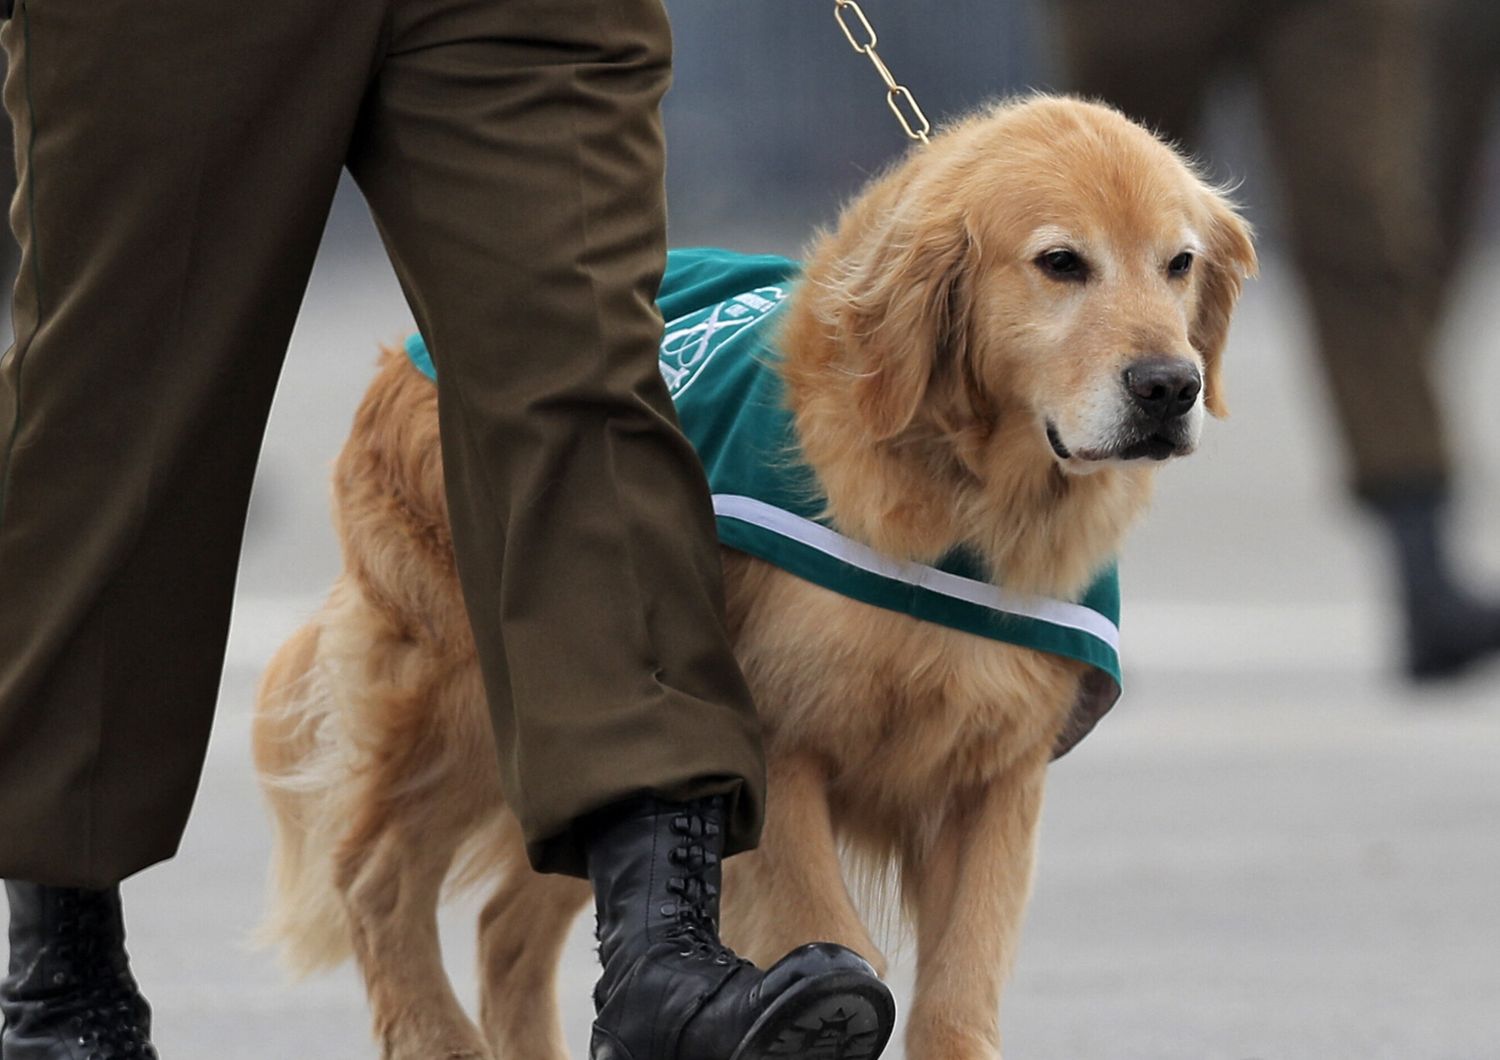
[299, 756]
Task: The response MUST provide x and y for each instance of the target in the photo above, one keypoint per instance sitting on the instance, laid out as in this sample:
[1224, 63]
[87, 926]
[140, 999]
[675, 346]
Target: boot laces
[696, 898]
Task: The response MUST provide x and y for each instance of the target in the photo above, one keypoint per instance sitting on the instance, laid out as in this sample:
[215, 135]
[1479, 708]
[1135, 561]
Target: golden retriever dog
[965, 363]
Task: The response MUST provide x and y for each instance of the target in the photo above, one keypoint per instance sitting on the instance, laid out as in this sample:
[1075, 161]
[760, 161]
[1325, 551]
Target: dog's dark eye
[1063, 265]
[1181, 264]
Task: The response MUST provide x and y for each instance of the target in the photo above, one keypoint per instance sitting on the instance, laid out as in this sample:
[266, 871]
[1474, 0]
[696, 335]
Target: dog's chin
[1165, 443]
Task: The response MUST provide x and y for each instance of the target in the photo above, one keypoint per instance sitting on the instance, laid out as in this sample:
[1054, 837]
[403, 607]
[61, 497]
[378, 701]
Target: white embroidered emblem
[691, 341]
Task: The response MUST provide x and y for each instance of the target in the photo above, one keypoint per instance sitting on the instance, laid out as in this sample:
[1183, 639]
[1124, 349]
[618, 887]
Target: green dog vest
[720, 363]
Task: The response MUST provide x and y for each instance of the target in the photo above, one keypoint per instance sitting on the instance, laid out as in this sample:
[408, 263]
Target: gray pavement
[1272, 850]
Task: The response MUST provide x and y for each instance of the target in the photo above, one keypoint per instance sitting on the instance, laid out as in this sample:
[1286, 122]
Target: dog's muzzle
[1157, 418]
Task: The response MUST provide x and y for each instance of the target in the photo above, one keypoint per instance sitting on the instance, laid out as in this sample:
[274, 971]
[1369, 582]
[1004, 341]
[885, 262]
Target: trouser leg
[1341, 85]
[1156, 62]
[513, 159]
[1462, 82]
[10, 254]
[177, 161]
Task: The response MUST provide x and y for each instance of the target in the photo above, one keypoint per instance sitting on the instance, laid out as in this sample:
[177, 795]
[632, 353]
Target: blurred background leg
[1343, 86]
[1374, 218]
[1462, 74]
[1157, 63]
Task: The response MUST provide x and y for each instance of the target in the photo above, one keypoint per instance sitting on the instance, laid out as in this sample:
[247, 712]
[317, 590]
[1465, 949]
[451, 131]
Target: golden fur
[925, 355]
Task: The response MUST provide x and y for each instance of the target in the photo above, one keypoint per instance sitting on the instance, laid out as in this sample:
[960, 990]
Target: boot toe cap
[812, 960]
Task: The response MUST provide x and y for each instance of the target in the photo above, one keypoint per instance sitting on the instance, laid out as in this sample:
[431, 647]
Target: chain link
[862, 38]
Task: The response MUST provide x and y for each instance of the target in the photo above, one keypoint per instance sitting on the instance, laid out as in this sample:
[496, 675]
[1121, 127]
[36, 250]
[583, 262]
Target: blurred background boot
[1448, 628]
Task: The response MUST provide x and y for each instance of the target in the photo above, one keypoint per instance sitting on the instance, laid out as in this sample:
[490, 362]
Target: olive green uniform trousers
[177, 162]
[1464, 83]
[1341, 83]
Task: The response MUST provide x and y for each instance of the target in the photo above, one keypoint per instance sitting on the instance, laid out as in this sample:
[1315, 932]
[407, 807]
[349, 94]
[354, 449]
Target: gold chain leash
[898, 97]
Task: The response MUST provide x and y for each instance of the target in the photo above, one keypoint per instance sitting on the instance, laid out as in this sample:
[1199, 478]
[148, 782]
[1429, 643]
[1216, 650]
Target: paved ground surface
[1272, 850]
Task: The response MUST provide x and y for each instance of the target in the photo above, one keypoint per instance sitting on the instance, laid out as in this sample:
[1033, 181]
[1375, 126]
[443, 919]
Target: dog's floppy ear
[1229, 260]
[903, 316]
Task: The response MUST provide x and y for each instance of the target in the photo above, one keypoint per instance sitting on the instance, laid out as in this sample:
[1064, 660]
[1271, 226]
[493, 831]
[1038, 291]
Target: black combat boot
[70, 994]
[1448, 628]
[672, 991]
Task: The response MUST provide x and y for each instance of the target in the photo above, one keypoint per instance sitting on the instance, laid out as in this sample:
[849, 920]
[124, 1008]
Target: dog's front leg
[791, 890]
[521, 935]
[968, 892]
[390, 883]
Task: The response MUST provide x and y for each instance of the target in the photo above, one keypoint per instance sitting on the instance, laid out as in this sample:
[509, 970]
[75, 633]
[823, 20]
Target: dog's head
[1048, 262]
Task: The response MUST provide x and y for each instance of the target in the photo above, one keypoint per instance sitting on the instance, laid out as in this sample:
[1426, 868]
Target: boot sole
[839, 1016]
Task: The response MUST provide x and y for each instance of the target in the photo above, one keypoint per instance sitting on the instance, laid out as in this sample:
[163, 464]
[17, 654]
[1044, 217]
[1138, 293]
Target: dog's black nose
[1164, 387]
